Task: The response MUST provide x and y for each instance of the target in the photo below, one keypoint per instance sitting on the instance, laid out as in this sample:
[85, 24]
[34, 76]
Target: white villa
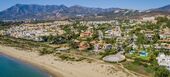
[116, 32]
[164, 60]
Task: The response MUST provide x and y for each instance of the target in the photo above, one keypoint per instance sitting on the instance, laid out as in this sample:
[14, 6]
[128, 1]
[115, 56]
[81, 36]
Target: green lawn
[136, 55]
[144, 58]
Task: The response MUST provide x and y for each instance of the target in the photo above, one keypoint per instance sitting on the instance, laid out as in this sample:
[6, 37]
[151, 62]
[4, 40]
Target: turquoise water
[10, 67]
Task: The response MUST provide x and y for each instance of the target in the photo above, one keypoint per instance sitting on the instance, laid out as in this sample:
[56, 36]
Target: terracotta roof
[165, 40]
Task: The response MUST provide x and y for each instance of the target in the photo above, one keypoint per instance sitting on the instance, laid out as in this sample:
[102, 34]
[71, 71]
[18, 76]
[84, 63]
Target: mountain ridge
[35, 11]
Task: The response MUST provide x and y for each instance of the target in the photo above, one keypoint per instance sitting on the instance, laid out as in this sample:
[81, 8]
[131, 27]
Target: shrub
[44, 51]
[162, 72]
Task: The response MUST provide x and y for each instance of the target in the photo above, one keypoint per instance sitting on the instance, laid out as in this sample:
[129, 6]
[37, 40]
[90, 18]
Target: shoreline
[49, 70]
[58, 68]
[44, 69]
[31, 64]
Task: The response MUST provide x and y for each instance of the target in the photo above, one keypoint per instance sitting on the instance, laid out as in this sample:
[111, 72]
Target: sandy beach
[60, 68]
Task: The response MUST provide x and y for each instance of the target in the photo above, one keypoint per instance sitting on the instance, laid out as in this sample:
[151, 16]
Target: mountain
[163, 9]
[58, 12]
[120, 13]
[23, 11]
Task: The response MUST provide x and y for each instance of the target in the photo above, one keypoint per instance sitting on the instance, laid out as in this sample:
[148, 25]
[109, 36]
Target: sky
[128, 4]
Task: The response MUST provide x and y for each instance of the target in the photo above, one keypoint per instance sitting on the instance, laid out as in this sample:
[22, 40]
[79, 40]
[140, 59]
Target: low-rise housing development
[131, 41]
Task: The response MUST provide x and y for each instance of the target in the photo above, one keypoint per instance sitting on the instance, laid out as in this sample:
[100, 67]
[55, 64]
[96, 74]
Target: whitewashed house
[164, 60]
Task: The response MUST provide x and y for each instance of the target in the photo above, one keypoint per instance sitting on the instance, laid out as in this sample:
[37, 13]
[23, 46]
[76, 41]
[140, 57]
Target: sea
[11, 67]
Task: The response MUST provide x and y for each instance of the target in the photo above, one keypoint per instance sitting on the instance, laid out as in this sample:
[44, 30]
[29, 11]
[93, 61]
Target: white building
[164, 60]
[117, 31]
[100, 35]
[150, 19]
[109, 33]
